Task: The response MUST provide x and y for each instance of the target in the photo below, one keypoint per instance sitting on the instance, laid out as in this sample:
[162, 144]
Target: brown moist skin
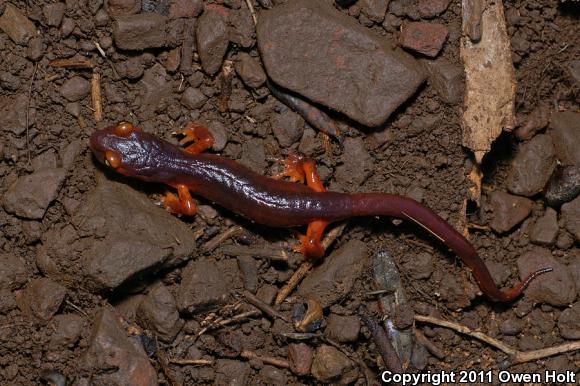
[274, 202]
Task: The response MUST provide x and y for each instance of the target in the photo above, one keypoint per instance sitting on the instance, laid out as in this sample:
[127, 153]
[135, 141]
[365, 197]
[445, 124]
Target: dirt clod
[212, 38]
[424, 38]
[42, 298]
[17, 26]
[545, 230]
[342, 328]
[508, 211]
[330, 365]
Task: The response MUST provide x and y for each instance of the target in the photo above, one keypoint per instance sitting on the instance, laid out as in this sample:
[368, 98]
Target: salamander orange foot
[199, 135]
[299, 169]
[182, 205]
[310, 244]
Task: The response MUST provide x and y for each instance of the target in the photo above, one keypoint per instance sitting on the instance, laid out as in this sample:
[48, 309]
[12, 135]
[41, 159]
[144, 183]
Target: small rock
[335, 61]
[287, 127]
[185, 8]
[431, 8]
[419, 357]
[212, 38]
[563, 186]
[556, 288]
[254, 155]
[267, 293]
[532, 166]
[421, 266]
[508, 211]
[335, 277]
[534, 122]
[192, 98]
[219, 133]
[13, 114]
[565, 132]
[17, 26]
[123, 7]
[374, 9]
[446, 78]
[249, 270]
[158, 312]
[173, 59]
[101, 20]
[207, 212]
[53, 13]
[139, 32]
[512, 326]
[565, 241]
[35, 50]
[67, 330]
[571, 217]
[114, 359]
[545, 230]
[574, 268]
[9, 82]
[232, 372]
[425, 38]
[30, 195]
[42, 298]
[13, 272]
[156, 90]
[332, 366]
[569, 322]
[206, 284]
[7, 301]
[574, 70]
[300, 356]
[242, 27]
[344, 329]
[271, 375]
[357, 163]
[250, 71]
[75, 89]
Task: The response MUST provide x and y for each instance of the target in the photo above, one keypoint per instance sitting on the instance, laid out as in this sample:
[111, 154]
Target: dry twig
[28, 110]
[217, 240]
[515, 356]
[265, 308]
[278, 362]
[191, 362]
[96, 96]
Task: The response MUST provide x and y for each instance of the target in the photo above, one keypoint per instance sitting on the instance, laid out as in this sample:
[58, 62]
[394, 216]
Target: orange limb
[199, 135]
[301, 169]
[183, 204]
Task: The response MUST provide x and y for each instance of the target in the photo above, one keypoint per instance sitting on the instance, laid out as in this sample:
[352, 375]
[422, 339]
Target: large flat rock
[116, 236]
[314, 50]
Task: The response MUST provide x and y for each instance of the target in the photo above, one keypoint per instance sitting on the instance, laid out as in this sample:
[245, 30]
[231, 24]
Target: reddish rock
[335, 277]
[300, 356]
[287, 127]
[356, 163]
[332, 366]
[192, 98]
[545, 230]
[313, 49]
[534, 122]
[75, 88]
[53, 13]
[212, 38]
[31, 194]
[569, 322]
[446, 78]
[532, 167]
[344, 329]
[123, 7]
[139, 32]
[508, 211]
[13, 114]
[185, 8]
[250, 71]
[156, 91]
[241, 31]
[42, 298]
[431, 8]
[556, 288]
[571, 217]
[67, 330]
[17, 26]
[424, 38]
[113, 358]
[374, 9]
[158, 312]
[565, 132]
[232, 372]
[13, 272]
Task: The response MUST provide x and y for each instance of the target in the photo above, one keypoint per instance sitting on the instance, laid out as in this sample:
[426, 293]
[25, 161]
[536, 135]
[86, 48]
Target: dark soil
[98, 285]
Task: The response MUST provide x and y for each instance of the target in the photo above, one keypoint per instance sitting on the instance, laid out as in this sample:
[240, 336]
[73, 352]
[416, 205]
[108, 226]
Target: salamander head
[126, 149]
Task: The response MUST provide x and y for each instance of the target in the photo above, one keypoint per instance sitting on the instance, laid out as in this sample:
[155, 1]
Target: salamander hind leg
[310, 244]
[182, 205]
[301, 169]
[199, 137]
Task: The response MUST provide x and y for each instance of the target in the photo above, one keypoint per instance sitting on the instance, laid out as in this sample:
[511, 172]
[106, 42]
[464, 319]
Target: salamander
[271, 201]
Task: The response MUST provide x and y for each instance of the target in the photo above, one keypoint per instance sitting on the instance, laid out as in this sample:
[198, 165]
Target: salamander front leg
[182, 205]
[199, 135]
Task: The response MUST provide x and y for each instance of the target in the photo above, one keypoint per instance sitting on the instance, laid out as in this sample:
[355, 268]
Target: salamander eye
[112, 159]
[123, 129]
